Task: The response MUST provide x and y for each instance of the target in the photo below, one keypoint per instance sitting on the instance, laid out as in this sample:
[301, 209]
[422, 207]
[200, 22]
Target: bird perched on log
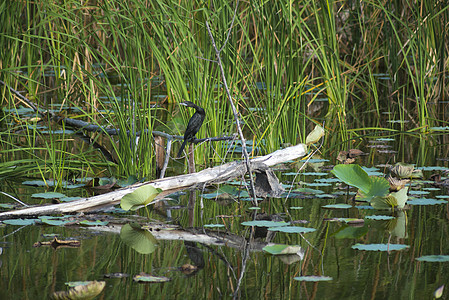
[194, 125]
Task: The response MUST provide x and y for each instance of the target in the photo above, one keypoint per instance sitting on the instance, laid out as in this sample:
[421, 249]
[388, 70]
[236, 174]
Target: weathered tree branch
[168, 185]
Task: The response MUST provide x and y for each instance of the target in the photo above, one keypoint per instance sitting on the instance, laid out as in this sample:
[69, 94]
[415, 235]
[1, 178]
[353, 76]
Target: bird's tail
[182, 148]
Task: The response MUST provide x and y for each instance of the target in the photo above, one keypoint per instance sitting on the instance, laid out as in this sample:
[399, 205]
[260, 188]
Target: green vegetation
[288, 65]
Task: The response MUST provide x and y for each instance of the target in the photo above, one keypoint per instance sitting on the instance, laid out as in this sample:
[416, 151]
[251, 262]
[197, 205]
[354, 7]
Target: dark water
[29, 272]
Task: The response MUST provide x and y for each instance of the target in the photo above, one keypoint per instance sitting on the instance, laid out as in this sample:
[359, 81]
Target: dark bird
[194, 125]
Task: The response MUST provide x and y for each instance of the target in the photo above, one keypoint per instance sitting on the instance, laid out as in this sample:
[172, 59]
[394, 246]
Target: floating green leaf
[346, 220]
[94, 223]
[419, 192]
[433, 168]
[308, 191]
[140, 197]
[313, 278]
[278, 249]
[139, 239]
[425, 201]
[213, 225]
[128, 181]
[316, 183]
[337, 206]
[434, 258]
[379, 217]
[380, 247]
[265, 223]
[439, 128]
[55, 222]
[68, 199]
[48, 195]
[292, 229]
[149, 278]
[20, 222]
[322, 196]
[6, 205]
[82, 290]
[327, 180]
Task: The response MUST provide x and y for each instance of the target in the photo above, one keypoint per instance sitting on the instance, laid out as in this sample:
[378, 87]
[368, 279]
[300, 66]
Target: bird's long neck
[198, 109]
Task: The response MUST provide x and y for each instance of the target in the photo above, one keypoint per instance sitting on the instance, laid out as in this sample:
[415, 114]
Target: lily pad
[316, 183]
[48, 195]
[292, 229]
[367, 207]
[68, 199]
[313, 278]
[322, 196]
[432, 168]
[55, 222]
[6, 205]
[379, 217]
[425, 201]
[151, 279]
[346, 220]
[35, 183]
[213, 225]
[327, 180]
[265, 223]
[21, 222]
[278, 249]
[314, 174]
[128, 181]
[142, 196]
[337, 206]
[380, 247]
[431, 189]
[434, 258]
[85, 290]
[94, 223]
[439, 128]
[418, 193]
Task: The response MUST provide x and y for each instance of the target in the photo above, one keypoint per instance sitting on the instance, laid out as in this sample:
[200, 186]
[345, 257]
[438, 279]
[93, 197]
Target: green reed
[110, 60]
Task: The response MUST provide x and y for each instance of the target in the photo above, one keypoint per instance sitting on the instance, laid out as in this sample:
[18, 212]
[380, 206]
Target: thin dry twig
[234, 111]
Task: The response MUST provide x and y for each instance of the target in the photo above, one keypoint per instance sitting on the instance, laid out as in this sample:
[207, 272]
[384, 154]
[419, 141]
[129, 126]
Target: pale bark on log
[168, 185]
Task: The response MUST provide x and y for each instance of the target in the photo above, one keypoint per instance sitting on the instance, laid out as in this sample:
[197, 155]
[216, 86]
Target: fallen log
[168, 185]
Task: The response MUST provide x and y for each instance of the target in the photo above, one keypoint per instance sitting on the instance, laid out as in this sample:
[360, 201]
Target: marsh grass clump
[123, 64]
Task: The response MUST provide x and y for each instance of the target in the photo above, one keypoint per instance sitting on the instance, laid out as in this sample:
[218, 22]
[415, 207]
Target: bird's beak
[183, 103]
